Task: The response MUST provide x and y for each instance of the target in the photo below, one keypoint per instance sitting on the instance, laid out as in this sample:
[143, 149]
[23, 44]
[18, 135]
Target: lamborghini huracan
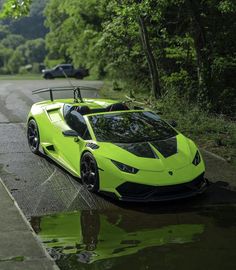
[130, 154]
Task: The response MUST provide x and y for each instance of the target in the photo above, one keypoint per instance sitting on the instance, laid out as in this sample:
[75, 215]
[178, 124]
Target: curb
[55, 267]
[213, 155]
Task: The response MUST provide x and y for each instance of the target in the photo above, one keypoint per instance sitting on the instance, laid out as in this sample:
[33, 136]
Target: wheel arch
[85, 151]
[31, 118]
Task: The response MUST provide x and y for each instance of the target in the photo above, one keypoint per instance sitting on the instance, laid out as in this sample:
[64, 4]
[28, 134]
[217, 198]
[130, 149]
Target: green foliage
[227, 6]
[30, 26]
[214, 132]
[193, 43]
[5, 54]
[15, 8]
[18, 42]
[4, 31]
[33, 50]
[15, 62]
[74, 31]
[53, 62]
[12, 41]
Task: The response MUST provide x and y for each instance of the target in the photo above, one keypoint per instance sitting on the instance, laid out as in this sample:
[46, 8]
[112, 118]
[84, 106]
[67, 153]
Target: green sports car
[128, 154]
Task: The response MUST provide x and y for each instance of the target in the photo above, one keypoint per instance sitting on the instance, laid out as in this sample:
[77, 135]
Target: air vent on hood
[92, 145]
[166, 147]
[138, 149]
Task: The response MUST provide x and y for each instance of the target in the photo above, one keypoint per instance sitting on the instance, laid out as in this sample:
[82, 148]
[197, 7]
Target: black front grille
[140, 191]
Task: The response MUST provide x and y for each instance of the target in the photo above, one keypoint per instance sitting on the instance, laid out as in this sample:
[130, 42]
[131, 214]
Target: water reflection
[88, 237]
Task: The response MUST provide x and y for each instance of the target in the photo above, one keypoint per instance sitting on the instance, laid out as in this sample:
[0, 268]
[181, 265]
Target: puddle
[135, 240]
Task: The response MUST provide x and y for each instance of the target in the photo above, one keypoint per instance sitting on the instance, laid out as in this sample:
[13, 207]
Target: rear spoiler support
[76, 91]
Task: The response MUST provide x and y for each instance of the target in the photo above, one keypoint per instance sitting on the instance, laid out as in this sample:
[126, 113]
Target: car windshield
[128, 127]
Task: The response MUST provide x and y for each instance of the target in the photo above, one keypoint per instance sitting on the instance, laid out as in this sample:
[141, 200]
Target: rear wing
[76, 91]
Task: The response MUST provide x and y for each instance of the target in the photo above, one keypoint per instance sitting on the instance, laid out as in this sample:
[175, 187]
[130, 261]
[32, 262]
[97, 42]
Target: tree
[5, 54]
[12, 41]
[4, 31]
[15, 8]
[186, 47]
[33, 51]
[15, 61]
[136, 15]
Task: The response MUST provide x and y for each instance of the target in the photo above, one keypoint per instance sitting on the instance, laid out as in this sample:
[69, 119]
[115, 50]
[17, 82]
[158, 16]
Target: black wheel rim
[88, 172]
[33, 136]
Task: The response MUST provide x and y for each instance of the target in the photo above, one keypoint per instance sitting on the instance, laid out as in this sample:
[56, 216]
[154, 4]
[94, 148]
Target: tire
[89, 172]
[48, 76]
[33, 136]
[79, 76]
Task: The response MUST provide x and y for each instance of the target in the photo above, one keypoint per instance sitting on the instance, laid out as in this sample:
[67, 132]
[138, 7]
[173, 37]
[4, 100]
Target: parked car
[61, 70]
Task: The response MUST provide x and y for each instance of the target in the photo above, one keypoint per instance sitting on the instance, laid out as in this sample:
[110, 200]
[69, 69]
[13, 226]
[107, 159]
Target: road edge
[55, 267]
[213, 154]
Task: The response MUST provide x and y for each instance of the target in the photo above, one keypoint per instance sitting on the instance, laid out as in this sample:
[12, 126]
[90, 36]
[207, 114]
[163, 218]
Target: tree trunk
[202, 51]
[156, 88]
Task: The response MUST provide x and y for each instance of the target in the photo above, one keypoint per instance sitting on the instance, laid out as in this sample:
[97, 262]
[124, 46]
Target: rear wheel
[79, 76]
[89, 172]
[33, 136]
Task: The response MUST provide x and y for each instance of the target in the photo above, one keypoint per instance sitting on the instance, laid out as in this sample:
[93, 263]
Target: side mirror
[70, 133]
[173, 123]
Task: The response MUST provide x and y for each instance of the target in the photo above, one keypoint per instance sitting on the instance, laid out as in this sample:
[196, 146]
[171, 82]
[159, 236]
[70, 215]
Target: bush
[4, 71]
[23, 70]
[53, 62]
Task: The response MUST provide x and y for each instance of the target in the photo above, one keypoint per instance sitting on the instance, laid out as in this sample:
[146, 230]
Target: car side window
[76, 122]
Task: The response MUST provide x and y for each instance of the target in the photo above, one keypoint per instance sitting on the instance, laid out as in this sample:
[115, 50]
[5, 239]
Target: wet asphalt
[38, 185]
[43, 190]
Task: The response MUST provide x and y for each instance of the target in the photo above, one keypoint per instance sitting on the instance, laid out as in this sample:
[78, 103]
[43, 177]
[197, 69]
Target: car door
[73, 133]
[63, 149]
[70, 71]
[57, 72]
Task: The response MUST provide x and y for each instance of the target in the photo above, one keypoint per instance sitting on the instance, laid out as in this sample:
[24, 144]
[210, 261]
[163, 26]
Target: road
[42, 188]
[38, 185]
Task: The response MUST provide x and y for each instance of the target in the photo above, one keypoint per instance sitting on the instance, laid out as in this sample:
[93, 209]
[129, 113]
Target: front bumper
[135, 192]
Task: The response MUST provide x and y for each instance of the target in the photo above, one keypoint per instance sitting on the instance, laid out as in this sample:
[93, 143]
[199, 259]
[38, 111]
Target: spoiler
[76, 91]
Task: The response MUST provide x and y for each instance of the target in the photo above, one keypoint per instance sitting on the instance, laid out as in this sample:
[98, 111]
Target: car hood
[174, 153]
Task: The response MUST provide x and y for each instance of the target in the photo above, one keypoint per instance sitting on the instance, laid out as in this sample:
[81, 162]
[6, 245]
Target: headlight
[124, 167]
[197, 159]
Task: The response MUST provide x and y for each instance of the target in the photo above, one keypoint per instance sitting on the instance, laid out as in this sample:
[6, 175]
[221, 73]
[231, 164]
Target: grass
[35, 77]
[22, 77]
[214, 133]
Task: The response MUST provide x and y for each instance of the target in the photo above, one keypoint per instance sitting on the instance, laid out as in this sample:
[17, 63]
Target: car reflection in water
[90, 237]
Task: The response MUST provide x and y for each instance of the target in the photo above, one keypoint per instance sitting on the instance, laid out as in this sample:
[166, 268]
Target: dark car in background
[62, 70]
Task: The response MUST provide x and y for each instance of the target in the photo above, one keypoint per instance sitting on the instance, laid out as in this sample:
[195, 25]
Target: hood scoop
[166, 147]
[138, 149]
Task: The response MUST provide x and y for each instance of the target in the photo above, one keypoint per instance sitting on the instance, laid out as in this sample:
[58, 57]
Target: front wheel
[48, 76]
[33, 136]
[89, 172]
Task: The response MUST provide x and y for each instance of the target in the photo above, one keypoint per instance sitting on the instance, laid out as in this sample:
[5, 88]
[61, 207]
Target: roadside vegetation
[22, 43]
[176, 56]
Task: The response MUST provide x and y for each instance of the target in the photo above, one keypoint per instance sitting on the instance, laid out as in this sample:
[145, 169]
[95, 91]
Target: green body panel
[96, 235]
[67, 152]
